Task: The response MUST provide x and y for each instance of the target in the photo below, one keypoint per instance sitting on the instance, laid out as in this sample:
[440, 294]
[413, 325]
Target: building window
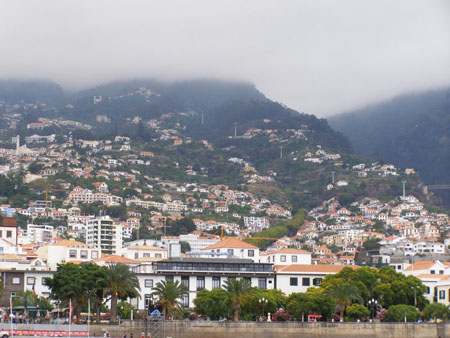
[94, 254]
[169, 278]
[73, 253]
[230, 252]
[294, 259]
[8, 234]
[433, 272]
[83, 254]
[185, 281]
[147, 301]
[428, 290]
[262, 283]
[200, 283]
[158, 256]
[441, 272]
[148, 283]
[216, 282]
[293, 281]
[317, 281]
[185, 300]
[15, 280]
[251, 253]
[283, 258]
[306, 281]
[442, 294]
[31, 280]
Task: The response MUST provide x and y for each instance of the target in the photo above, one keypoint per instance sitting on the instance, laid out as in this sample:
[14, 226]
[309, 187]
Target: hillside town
[55, 230]
[116, 200]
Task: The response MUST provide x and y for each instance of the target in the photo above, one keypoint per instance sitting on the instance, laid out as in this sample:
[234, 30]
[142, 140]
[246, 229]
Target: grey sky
[316, 56]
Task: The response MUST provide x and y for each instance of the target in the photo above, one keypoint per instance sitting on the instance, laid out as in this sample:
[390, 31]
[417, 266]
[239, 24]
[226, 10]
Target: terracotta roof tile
[231, 242]
[311, 268]
[115, 259]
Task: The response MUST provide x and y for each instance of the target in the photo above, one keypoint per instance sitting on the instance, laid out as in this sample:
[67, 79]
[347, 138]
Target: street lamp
[372, 304]
[262, 301]
[415, 296]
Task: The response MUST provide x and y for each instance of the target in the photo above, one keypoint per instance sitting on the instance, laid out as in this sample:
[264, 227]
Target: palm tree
[26, 298]
[119, 282]
[344, 294]
[169, 294]
[237, 289]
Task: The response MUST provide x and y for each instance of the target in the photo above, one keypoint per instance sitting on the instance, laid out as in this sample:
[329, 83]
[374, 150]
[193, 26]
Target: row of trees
[346, 293]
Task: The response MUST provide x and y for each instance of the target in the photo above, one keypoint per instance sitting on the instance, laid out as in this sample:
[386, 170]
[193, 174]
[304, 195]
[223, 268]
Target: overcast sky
[320, 57]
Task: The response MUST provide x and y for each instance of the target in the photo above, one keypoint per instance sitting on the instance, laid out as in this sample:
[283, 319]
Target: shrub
[436, 311]
[357, 311]
[397, 313]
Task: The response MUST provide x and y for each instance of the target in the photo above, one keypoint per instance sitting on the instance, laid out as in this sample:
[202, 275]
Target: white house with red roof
[65, 251]
[233, 248]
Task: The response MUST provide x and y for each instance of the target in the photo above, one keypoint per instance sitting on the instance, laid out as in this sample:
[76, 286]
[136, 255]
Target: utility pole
[235, 129]
[332, 176]
[404, 190]
[281, 152]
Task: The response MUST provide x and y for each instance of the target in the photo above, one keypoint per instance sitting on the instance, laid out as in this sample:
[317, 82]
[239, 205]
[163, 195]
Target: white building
[65, 251]
[104, 234]
[300, 277]
[233, 248]
[201, 273]
[144, 252]
[39, 233]
[286, 256]
[256, 223]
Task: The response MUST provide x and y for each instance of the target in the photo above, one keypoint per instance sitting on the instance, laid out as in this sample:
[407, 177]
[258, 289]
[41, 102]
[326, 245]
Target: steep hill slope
[215, 132]
[410, 131]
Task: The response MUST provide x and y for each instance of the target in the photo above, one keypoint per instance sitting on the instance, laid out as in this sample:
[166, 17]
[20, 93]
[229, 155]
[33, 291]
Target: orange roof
[288, 251]
[70, 243]
[429, 275]
[115, 259]
[421, 265]
[311, 268]
[231, 242]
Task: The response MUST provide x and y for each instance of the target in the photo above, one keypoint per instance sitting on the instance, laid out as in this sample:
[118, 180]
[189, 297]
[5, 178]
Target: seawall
[209, 329]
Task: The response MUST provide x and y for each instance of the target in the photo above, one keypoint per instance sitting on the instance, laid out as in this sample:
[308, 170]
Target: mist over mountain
[30, 91]
[411, 130]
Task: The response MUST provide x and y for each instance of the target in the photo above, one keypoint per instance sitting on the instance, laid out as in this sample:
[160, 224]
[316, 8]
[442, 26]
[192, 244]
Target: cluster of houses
[211, 261]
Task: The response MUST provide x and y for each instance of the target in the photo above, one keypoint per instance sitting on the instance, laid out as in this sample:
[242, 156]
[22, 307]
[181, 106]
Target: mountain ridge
[411, 130]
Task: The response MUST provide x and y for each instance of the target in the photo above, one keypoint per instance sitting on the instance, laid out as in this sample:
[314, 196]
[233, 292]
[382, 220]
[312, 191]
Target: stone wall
[209, 329]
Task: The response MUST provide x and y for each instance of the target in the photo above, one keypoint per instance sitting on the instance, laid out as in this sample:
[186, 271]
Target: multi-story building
[39, 233]
[65, 251]
[201, 273]
[104, 234]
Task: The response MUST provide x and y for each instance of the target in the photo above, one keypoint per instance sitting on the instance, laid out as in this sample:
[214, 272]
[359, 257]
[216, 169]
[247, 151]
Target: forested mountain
[30, 91]
[411, 131]
[218, 132]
